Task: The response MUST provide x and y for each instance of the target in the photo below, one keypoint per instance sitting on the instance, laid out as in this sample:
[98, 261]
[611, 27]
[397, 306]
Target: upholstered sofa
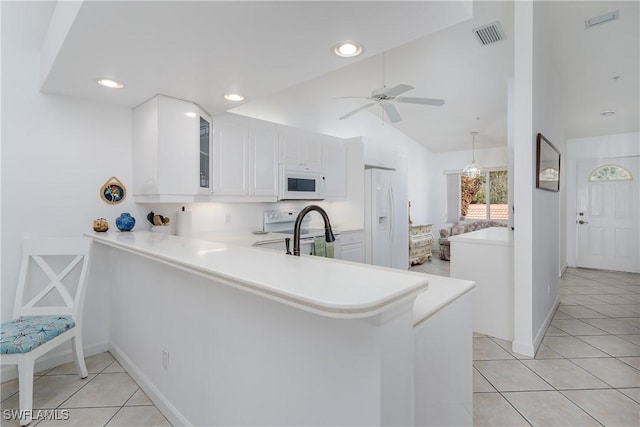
[461, 228]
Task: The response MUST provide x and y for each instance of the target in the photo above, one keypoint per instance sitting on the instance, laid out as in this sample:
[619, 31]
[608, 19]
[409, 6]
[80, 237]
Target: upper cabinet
[300, 148]
[245, 159]
[334, 164]
[180, 155]
[379, 157]
[171, 151]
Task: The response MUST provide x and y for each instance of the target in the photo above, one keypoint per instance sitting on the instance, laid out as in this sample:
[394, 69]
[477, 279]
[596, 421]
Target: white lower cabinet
[351, 246]
[245, 152]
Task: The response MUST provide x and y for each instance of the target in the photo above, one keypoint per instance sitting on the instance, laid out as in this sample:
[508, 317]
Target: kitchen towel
[329, 251]
[319, 246]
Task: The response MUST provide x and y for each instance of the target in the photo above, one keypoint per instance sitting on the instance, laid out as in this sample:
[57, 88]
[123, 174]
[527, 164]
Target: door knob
[581, 213]
[582, 222]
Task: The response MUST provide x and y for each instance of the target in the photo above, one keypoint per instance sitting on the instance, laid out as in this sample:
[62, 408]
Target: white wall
[420, 184]
[56, 153]
[626, 144]
[537, 217]
[547, 110]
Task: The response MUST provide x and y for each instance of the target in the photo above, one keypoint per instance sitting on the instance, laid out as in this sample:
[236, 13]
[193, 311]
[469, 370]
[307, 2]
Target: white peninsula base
[486, 257]
[211, 345]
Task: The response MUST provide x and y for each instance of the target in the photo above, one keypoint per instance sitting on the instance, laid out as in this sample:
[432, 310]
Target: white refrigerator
[386, 217]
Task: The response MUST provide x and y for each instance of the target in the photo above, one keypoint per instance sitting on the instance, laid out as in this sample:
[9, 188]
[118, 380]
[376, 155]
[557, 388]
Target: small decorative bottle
[125, 222]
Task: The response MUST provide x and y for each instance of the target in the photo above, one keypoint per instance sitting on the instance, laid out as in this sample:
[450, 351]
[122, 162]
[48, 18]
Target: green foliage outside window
[497, 186]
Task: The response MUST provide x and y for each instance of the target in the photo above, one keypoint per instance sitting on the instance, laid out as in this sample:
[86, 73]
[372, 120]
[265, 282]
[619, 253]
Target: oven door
[300, 184]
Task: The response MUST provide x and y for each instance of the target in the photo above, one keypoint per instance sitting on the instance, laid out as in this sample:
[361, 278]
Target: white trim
[530, 349]
[163, 404]
[545, 325]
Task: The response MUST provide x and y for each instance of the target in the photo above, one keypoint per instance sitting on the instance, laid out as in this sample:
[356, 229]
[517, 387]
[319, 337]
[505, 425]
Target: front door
[607, 219]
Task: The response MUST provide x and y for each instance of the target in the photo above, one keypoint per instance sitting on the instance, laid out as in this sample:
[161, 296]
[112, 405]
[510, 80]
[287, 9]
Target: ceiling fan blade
[392, 112]
[357, 110]
[395, 91]
[424, 101]
[352, 97]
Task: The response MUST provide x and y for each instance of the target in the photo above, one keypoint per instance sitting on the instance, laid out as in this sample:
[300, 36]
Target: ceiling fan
[386, 98]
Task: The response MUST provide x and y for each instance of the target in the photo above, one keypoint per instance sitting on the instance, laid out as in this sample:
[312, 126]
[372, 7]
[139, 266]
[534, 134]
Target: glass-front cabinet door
[205, 154]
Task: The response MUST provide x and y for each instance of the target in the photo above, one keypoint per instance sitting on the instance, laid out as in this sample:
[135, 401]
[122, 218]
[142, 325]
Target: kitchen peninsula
[219, 334]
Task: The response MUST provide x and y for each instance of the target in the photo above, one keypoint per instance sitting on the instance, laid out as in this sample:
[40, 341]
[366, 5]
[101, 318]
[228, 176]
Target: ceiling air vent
[489, 33]
[611, 16]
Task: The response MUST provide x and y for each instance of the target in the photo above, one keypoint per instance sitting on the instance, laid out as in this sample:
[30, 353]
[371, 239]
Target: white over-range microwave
[300, 183]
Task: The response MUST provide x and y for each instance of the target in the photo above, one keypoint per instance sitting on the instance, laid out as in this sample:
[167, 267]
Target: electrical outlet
[227, 219]
[548, 290]
[165, 360]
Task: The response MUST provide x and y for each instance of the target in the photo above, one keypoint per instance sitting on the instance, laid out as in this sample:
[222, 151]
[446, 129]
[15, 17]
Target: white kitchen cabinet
[334, 164]
[171, 151]
[245, 159]
[351, 246]
[300, 148]
[379, 157]
[231, 148]
[264, 158]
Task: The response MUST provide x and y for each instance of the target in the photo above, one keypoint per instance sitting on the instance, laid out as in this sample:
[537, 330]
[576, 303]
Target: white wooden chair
[47, 309]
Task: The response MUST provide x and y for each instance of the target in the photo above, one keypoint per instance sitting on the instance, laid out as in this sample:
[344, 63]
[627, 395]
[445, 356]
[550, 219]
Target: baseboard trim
[545, 325]
[174, 416]
[523, 348]
[563, 270]
[53, 359]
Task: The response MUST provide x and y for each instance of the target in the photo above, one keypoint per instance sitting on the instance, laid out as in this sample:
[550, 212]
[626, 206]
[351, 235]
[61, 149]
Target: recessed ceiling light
[347, 49]
[235, 97]
[608, 113]
[112, 84]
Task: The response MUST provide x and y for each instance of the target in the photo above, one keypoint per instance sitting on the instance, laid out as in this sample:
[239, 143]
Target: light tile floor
[587, 370]
[108, 397]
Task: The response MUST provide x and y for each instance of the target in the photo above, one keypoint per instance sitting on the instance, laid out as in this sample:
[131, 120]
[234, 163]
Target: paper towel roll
[183, 223]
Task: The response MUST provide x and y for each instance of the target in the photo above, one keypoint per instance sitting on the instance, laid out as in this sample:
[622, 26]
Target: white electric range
[283, 221]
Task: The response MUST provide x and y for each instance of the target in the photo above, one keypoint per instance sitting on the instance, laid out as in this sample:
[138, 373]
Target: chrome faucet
[328, 234]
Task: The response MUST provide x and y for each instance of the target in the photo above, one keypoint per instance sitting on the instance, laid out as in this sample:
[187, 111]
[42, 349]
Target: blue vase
[125, 222]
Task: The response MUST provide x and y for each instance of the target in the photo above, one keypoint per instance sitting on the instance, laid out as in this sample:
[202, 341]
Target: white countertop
[442, 291]
[329, 287]
[488, 236]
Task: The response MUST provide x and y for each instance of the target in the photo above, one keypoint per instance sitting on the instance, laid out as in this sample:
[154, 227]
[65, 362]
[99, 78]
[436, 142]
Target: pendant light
[472, 170]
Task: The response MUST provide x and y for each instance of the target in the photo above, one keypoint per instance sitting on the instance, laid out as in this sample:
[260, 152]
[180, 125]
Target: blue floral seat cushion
[26, 333]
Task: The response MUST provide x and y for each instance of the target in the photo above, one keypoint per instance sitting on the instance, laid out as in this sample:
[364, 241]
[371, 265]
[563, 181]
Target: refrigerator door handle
[393, 213]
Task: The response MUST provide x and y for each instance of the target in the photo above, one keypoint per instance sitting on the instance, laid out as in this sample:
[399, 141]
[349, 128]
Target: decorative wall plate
[113, 191]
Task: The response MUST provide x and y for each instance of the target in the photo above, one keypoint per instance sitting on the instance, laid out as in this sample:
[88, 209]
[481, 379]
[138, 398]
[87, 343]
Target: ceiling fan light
[347, 49]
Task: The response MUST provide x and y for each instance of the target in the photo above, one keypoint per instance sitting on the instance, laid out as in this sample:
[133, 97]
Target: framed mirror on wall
[547, 165]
